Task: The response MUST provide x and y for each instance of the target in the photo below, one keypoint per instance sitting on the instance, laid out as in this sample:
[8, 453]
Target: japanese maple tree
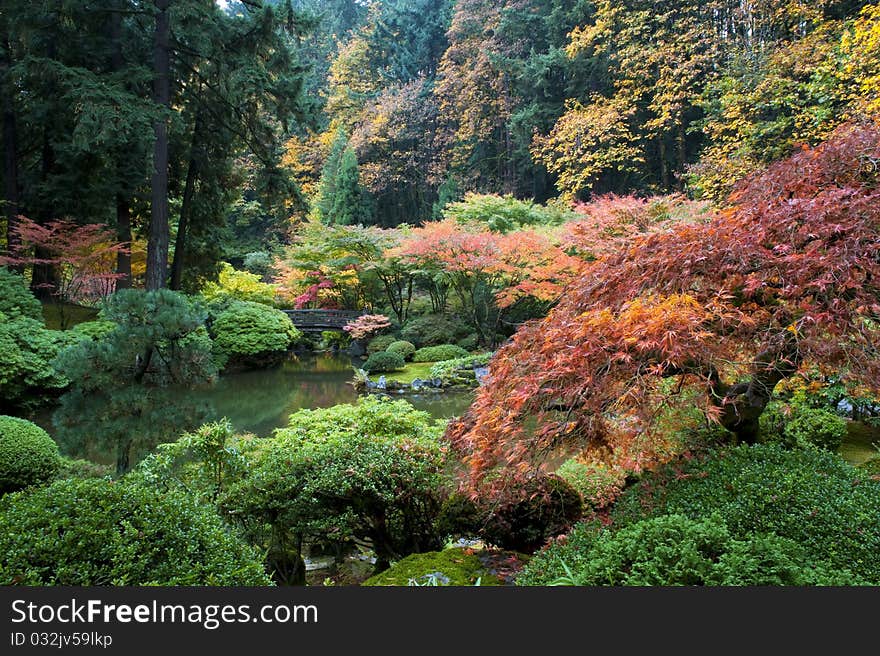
[787, 277]
[83, 256]
[367, 325]
[487, 271]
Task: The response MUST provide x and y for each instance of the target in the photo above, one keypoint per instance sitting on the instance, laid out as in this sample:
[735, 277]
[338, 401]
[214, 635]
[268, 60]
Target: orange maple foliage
[789, 276]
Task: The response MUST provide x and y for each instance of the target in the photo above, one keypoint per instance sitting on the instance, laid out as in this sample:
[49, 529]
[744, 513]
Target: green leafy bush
[796, 424]
[506, 213]
[453, 567]
[598, 483]
[258, 263]
[335, 339]
[27, 350]
[28, 455]
[371, 471]
[439, 353]
[380, 343]
[240, 286]
[809, 495]
[383, 362]
[871, 467]
[16, 299]
[402, 348]
[78, 468]
[434, 329]
[676, 550]
[250, 332]
[101, 532]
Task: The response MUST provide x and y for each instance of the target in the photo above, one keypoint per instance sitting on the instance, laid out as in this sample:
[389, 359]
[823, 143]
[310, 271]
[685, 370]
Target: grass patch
[412, 371]
[62, 316]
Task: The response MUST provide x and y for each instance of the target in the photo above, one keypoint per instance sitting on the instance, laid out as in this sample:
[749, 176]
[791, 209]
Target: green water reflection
[255, 402]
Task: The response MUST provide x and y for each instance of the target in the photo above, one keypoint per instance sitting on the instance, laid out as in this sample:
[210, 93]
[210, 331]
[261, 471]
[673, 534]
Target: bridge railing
[328, 319]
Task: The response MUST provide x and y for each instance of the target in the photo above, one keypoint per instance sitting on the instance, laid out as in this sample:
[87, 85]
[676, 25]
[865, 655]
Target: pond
[254, 402]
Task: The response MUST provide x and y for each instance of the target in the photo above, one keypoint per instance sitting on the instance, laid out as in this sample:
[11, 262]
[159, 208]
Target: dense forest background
[203, 132]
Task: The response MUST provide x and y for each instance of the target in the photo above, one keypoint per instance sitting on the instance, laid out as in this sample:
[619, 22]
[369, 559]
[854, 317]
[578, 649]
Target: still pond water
[254, 402]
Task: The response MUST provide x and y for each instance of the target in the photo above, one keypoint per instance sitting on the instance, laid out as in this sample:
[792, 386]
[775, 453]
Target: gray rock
[382, 383]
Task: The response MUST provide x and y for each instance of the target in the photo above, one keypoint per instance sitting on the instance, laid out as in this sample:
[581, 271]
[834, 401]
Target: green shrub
[598, 483]
[469, 343]
[28, 455]
[402, 348]
[872, 467]
[383, 362]
[453, 567]
[248, 332]
[16, 299]
[676, 550]
[380, 343]
[528, 514]
[460, 370]
[505, 213]
[810, 496]
[101, 532]
[27, 350]
[77, 468]
[371, 471]
[335, 339]
[258, 263]
[817, 427]
[434, 329]
[439, 353]
[240, 286]
[796, 424]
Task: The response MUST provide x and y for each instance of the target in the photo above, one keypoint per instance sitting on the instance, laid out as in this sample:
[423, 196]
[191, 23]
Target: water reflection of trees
[122, 426]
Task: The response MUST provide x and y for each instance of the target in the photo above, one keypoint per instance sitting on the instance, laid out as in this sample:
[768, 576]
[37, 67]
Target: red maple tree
[787, 277]
[82, 256]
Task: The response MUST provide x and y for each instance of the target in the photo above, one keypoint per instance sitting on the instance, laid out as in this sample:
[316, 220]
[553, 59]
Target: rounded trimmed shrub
[101, 532]
[796, 424]
[810, 496]
[383, 362]
[246, 332]
[439, 353]
[380, 343]
[16, 299]
[28, 455]
[402, 348]
[27, 351]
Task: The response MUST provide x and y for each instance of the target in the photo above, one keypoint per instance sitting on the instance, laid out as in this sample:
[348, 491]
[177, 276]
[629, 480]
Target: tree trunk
[664, 165]
[44, 277]
[682, 151]
[123, 235]
[157, 244]
[123, 202]
[10, 158]
[123, 455]
[742, 404]
[192, 175]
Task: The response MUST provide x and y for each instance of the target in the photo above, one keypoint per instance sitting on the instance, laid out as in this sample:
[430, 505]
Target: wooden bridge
[314, 321]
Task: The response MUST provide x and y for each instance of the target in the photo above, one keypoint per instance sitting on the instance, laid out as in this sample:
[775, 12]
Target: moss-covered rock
[453, 566]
